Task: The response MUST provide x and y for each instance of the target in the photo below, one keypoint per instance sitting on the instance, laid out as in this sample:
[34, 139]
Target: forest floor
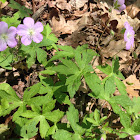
[78, 22]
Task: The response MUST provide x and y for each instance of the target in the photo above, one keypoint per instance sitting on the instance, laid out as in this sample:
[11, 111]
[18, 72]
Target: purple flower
[30, 31]
[102, 138]
[121, 6]
[137, 137]
[129, 36]
[7, 36]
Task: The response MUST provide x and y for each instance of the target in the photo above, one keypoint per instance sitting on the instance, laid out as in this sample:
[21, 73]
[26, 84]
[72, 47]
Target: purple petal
[120, 2]
[102, 138]
[125, 35]
[26, 40]
[38, 38]
[128, 45]
[22, 30]
[137, 137]
[11, 42]
[3, 27]
[29, 22]
[122, 7]
[38, 27]
[3, 45]
[12, 31]
[127, 26]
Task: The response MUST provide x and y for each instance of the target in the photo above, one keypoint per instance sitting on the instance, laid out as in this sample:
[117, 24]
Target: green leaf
[31, 91]
[96, 115]
[29, 114]
[76, 137]
[109, 87]
[24, 12]
[41, 56]
[30, 53]
[91, 120]
[29, 130]
[105, 69]
[48, 30]
[125, 120]
[62, 97]
[54, 116]
[115, 65]
[68, 51]
[48, 106]
[121, 87]
[39, 100]
[43, 127]
[51, 130]
[9, 90]
[12, 21]
[6, 111]
[122, 100]
[136, 107]
[3, 1]
[70, 65]
[116, 108]
[94, 83]
[73, 83]
[73, 118]
[62, 135]
[136, 125]
[6, 58]
[49, 36]
[17, 114]
[103, 119]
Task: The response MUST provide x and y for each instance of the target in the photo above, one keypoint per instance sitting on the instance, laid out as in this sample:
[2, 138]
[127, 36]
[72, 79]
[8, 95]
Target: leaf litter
[76, 22]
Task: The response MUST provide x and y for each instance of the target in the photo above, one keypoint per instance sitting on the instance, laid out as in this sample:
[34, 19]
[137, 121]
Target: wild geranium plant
[48, 109]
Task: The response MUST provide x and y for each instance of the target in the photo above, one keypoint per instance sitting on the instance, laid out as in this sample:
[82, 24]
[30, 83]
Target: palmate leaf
[12, 21]
[125, 119]
[9, 90]
[73, 118]
[62, 135]
[6, 58]
[41, 56]
[122, 100]
[136, 107]
[73, 82]
[114, 70]
[136, 125]
[110, 87]
[29, 130]
[41, 111]
[68, 51]
[58, 89]
[94, 84]
[47, 32]
[114, 73]
[24, 12]
[84, 58]
[31, 91]
[9, 99]
[75, 70]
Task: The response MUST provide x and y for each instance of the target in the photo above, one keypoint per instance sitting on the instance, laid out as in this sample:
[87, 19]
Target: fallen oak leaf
[132, 85]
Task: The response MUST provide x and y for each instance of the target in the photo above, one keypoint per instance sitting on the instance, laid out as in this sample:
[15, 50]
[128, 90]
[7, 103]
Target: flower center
[31, 32]
[129, 35]
[4, 37]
